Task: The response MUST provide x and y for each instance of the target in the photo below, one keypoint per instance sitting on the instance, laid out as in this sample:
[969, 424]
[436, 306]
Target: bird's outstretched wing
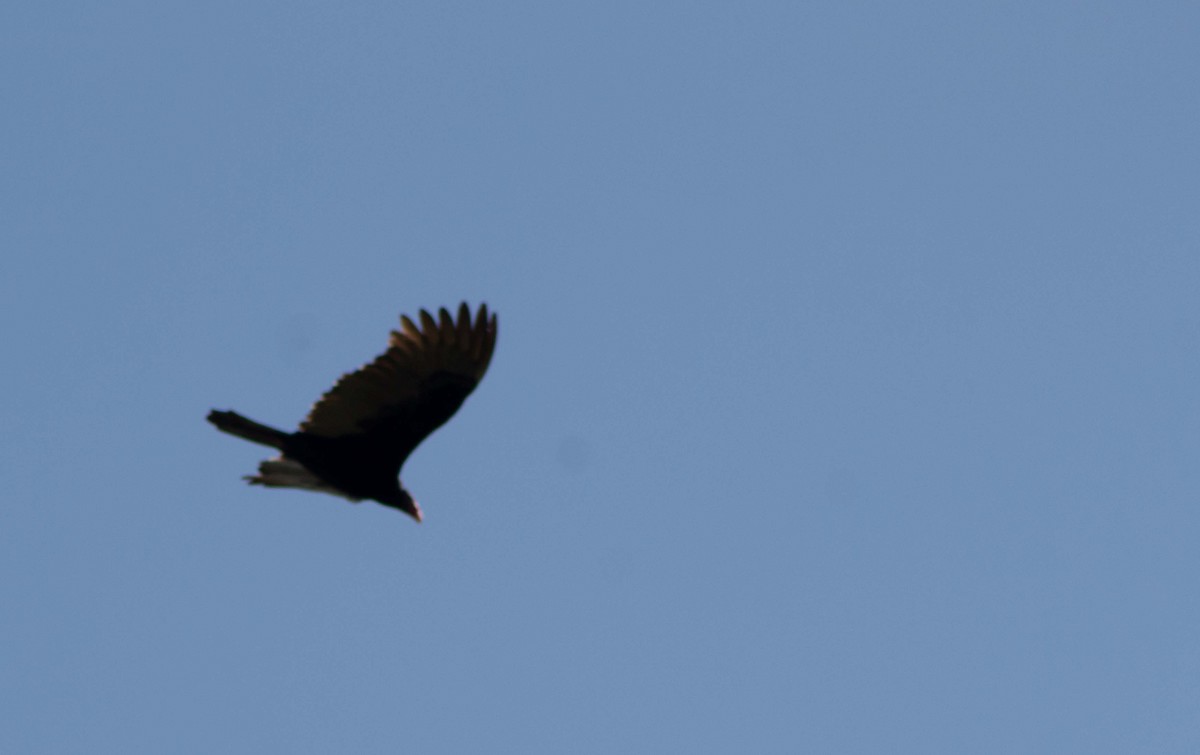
[397, 400]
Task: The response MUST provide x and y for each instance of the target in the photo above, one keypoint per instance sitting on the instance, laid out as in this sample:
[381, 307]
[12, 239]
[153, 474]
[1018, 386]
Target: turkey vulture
[358, 434]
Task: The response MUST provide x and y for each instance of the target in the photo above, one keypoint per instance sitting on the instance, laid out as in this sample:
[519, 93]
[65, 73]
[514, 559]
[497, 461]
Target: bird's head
[403, 501]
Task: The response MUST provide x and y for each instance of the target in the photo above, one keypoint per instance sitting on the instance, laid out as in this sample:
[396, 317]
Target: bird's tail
[235, 424]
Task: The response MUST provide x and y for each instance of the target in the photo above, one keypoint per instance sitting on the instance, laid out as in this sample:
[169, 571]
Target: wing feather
[410, 329]
[429, 327]
[464, 323]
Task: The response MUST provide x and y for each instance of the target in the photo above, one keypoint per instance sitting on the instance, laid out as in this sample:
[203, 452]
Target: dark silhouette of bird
[358, 435]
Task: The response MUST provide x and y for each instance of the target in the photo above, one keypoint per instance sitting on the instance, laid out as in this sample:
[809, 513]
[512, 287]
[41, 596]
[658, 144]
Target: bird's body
[359, 434]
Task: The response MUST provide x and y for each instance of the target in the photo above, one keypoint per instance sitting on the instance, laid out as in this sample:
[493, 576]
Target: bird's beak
[403, 502]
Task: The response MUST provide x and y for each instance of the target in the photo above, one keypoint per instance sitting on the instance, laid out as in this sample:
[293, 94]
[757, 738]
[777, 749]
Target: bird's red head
[403, 501]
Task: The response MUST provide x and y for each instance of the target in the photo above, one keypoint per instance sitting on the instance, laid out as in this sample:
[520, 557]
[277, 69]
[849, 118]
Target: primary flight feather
[358, 435]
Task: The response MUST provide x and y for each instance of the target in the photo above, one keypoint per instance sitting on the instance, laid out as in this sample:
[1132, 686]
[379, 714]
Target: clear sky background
[845, 401]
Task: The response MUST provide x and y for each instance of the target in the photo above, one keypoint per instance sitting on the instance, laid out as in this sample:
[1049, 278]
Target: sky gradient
[845, 397]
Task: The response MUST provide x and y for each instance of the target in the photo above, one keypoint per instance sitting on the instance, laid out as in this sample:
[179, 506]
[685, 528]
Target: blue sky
[845, 398]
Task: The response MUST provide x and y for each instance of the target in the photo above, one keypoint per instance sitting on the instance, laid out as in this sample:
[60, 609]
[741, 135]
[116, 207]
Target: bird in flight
[358, 435]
